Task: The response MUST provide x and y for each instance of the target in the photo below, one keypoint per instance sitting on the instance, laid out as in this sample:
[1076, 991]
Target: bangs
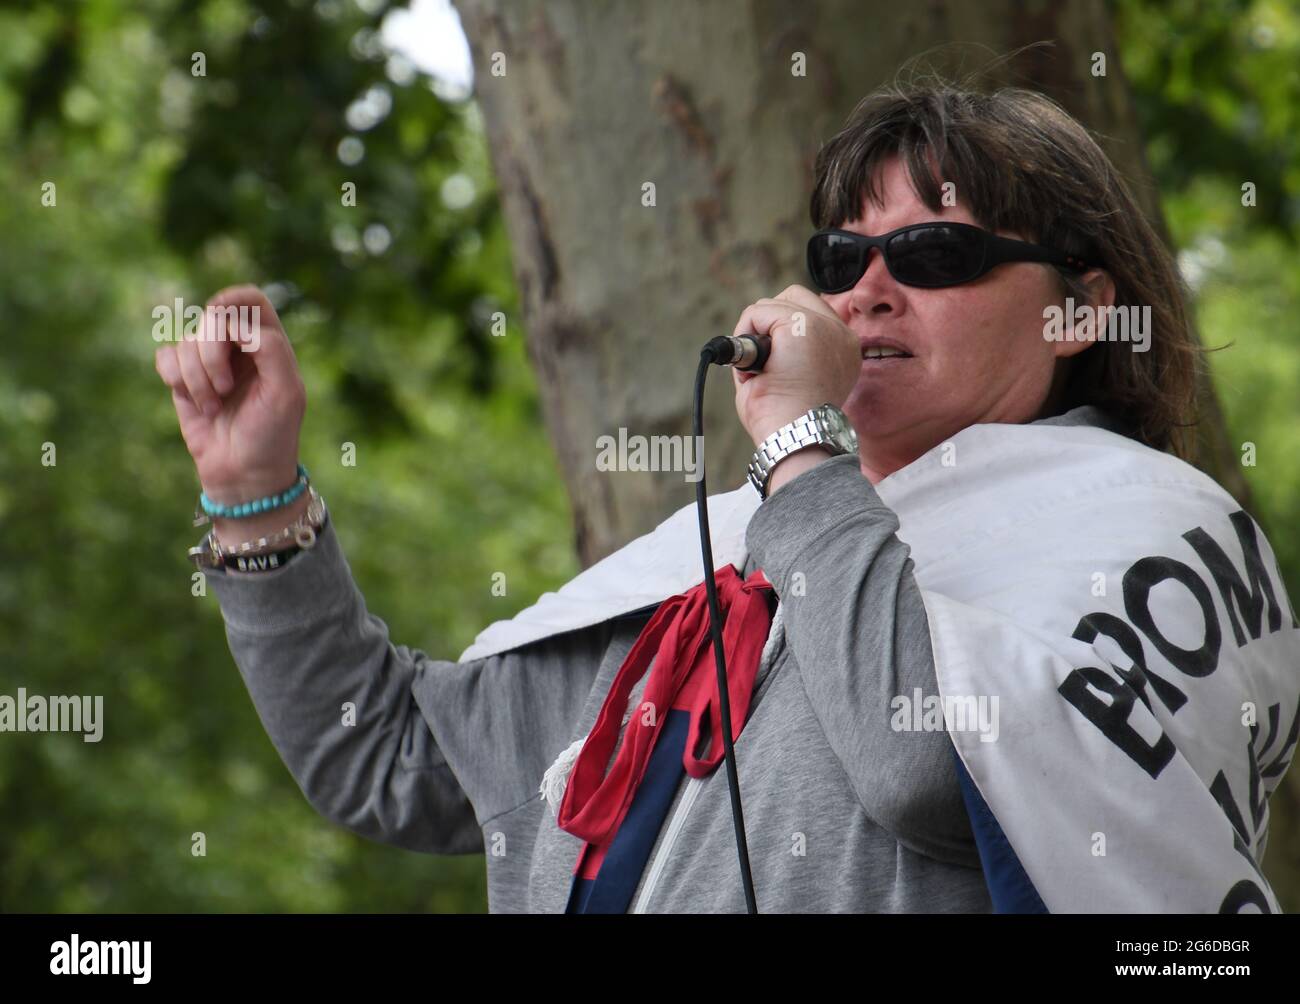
[940, 137]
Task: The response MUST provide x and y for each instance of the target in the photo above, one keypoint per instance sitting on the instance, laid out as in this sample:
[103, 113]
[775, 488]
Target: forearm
[234, 492]
[856, 625]
[335, 697]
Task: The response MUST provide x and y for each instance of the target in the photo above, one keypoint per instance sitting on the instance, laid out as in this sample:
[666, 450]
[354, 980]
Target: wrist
[234, 531]
[251, 484]
[770, 424]
[823, 425]
[789, 468]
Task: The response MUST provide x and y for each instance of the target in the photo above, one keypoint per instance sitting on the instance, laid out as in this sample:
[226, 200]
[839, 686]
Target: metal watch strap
[804, 431]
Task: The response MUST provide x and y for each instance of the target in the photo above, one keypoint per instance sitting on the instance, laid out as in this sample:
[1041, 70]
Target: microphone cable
[748, 353]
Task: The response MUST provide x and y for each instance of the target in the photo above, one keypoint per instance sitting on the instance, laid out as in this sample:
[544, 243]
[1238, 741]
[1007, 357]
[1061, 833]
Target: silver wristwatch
[824, 425]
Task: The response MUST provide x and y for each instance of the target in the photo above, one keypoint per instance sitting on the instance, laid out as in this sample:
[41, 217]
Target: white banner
[1129, 619]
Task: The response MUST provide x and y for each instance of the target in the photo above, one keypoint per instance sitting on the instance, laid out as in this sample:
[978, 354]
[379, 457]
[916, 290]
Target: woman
[1014, 537]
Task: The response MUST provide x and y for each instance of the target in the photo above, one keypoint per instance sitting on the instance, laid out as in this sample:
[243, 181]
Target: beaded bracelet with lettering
[211, 553]
[262, 562]
[254, 507]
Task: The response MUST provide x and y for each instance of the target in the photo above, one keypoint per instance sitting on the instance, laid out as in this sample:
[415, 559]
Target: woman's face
[977, 350]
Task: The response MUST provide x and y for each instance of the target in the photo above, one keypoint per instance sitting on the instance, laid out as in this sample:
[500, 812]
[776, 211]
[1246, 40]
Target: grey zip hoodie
[842, 813]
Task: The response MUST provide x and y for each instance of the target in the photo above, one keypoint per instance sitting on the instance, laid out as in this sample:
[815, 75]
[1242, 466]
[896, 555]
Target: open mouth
[881, 354]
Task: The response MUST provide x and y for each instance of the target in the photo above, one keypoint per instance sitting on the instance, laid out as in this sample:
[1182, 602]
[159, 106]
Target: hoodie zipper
[693, 787]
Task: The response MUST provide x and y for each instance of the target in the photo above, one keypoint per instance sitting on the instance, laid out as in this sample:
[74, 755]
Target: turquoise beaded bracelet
[256, 506]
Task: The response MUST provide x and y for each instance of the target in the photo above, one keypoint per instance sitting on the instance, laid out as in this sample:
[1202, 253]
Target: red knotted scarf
[684, 676]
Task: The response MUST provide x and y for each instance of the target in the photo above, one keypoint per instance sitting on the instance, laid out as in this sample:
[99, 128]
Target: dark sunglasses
[924, 254]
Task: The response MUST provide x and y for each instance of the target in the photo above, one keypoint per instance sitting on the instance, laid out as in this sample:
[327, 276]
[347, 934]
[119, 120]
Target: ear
[1081, 332]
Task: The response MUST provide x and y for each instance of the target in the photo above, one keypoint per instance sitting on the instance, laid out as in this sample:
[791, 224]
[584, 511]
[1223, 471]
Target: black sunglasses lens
[834, 262]
[936, 256]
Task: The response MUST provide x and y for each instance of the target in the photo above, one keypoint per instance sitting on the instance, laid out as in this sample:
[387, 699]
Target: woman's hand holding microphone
[815, 359]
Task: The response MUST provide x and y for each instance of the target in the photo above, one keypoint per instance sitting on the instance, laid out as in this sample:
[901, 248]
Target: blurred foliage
[170, 185]
[1217, 90]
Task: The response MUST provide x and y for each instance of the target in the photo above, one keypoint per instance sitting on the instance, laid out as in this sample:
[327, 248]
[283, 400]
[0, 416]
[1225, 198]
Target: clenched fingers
[169, 369]
[197, 384]
[214, 351]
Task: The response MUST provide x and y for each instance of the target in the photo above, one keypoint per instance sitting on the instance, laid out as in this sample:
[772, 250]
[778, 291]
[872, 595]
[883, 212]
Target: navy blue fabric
[1009, 886]
[612, 888]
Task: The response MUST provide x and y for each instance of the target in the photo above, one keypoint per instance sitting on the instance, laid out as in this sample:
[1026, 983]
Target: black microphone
[748, 353]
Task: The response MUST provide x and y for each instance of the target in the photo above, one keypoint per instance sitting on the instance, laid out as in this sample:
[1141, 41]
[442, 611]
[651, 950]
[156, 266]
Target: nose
[876, 291]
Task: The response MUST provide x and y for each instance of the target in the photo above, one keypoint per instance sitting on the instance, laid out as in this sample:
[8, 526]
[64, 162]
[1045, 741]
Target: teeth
[880, 352]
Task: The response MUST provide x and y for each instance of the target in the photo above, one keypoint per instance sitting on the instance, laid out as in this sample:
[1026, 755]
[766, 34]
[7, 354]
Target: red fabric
[684, 676]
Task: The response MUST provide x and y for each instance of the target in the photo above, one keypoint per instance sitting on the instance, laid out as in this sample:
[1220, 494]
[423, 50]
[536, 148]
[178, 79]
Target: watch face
[843, 434]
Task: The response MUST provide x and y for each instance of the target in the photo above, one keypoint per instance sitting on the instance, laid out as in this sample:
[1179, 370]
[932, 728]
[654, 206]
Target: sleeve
[383, 740]
[856, 625]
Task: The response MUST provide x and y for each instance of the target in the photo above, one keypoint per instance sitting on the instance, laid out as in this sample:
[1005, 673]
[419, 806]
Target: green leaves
[170, 185]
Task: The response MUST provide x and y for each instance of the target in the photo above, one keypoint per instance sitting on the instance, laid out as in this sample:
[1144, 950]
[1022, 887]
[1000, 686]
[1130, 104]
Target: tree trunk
[585, 103]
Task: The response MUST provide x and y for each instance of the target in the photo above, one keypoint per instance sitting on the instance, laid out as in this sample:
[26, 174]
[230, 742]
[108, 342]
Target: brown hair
[1022, 163]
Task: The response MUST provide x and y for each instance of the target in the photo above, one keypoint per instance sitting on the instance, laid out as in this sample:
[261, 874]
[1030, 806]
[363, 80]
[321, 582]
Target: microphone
[748, 353]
